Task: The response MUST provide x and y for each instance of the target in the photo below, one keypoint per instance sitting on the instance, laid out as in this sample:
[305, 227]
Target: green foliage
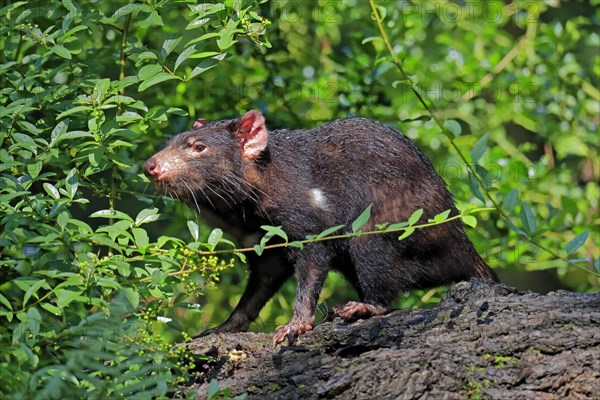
[214, 392]
[86, 285]
[98, 276]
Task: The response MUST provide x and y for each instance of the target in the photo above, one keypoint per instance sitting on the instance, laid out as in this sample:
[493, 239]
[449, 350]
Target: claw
[290, 331]
[355, 310]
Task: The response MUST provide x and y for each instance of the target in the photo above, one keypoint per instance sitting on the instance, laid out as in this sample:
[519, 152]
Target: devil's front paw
[291, 331]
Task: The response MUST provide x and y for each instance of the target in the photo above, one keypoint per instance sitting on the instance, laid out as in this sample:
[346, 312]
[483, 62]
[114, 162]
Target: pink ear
[252, 134]
[199, 123]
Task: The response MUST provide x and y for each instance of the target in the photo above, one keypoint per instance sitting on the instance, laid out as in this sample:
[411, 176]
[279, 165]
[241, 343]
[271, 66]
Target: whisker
[193, 195]
[209, 187]
[228, 191]
[243, 185]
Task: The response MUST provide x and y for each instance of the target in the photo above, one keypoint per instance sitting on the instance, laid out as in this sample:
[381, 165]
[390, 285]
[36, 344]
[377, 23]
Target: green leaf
[157, 279]
[147, 55]
[240, 256]
[153, 20]
[258, 249]
[132, 296]
[372, 39]
[5, 302]
[64, 296]
[511, 200]
[59, 130]
[213, 387]
[406, 233]
[7, 9]
[169, 45]
[72, 183]
[111, 214]
[33, 290]
[474, 186]
[177, 111]
[485, 176]
[74, 110]
[396, 226]
[226, 39]
[528, 219]
[147, 215]
[205, 65]
[34, 169]
[205, 9]
[215, 237]
[61, 51]
[158, 78]
[362, 219]
[480, 148]
[414, 218]
[62, 220]
[52, 309]
[272, 231]
[193, 227]
[141, 237]
[72, 31]
[83, 228]
[104, 241]
[469, 220]
[34, 321]
[148, 71]
[597, 264]
[74, 135]
[190, 53]
[29, 127]
[111, 283]
[184, 55]
[296, 244]
[577, 242]
[117, 229]
[329, 231]
[129, 9]
[203, 37]
[453, 127]
[204, 54]
[440, 217]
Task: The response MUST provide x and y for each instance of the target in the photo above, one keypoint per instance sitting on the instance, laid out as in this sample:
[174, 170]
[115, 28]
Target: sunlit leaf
[362, 219]
[577, 242]
[415, 216]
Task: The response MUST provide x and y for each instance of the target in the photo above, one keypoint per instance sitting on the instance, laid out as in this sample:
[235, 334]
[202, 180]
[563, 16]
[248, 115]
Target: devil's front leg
[311, 265]
[267, 274]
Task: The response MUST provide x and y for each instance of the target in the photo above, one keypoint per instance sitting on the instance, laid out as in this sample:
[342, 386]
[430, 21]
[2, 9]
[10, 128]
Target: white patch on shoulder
[317, 199]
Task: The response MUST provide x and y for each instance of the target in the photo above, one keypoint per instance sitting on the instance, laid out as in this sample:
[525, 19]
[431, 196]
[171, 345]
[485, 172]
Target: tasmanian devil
[307, 181]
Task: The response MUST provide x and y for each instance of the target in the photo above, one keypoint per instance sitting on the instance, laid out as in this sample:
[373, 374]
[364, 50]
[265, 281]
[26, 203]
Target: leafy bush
[96, 283]
[83, 281]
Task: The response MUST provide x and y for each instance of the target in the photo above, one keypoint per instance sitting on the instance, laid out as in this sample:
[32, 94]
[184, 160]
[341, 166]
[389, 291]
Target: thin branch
[348, 235]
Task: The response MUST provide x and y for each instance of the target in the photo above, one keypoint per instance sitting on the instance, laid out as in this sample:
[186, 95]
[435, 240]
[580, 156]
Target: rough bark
[484, 340]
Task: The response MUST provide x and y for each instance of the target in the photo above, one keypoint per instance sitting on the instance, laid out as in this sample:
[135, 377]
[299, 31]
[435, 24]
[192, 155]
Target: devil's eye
[199, 148]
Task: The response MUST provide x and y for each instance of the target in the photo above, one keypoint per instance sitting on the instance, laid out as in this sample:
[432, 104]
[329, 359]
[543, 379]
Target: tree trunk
[484, 340]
